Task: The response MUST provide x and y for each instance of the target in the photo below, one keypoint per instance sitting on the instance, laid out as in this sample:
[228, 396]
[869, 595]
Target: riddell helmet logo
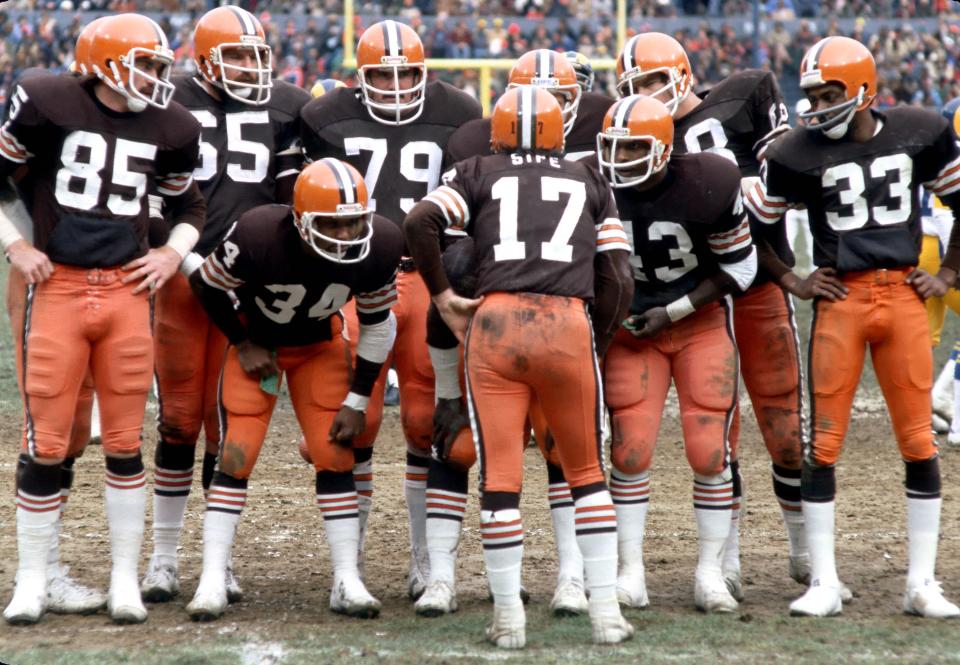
[349, 208]
[393, 60]
[617, 132]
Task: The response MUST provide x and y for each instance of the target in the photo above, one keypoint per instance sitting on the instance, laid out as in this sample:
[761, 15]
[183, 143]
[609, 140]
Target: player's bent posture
[548, 243]
[92, 161]
[691, 247]
[858, 172]
[250, 156]
[393, 127]
[447, 479]
[292, 269]
[737, 119]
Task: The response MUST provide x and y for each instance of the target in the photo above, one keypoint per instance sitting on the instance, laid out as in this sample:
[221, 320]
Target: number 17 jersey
[863, 197]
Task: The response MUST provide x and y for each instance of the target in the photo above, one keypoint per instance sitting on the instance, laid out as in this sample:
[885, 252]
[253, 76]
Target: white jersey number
[282, 310]
[558, 248]
[851, 179]
[236, 146]
[682, 253]
[429, 175]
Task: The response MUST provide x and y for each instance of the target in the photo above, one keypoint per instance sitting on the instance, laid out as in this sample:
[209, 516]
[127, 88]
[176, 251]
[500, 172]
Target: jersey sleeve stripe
[174, 184]
[769, 212]
[371, 304]
[947, 181]
[443, 208]
[741, 242]
[11, 148]
[609, 244]
[287, 173]
[217, 270]
[726, 235]
[458, 200]
[211, 279]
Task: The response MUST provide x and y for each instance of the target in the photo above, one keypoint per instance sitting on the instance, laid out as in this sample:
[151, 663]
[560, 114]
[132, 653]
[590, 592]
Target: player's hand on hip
[256, 361]
[821, 283]
[34, 265]
[347, 424]
[456, 311]
[927, 285]
[153, 269]
[449, 419]
[649, 324]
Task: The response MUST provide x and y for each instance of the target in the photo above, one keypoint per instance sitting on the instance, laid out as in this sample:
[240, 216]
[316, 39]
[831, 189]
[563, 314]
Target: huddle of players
[295, 272]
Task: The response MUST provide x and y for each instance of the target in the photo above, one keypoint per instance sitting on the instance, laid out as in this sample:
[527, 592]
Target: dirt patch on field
[282, 558]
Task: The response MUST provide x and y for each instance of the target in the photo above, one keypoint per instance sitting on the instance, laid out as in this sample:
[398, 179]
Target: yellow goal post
[483, 66]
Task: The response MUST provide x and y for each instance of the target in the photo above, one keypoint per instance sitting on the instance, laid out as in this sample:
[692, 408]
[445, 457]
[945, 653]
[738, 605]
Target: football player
[737, 119]
[250, 156]
[88, 274]
[447, 488]
[394, 127]
[531, 336]
[64, 594]
[691, 247]
[292, 268]
[581, 65]
[858, 172]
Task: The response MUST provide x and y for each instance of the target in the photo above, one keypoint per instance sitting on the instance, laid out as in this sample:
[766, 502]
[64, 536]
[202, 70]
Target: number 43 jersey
[244, 151]
[862, 197]
[287, 291]
[400, 163]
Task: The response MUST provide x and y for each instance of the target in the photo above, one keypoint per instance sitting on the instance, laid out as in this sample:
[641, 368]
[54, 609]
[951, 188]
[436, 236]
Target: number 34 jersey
[684, 228]
[244, 151]
[862, 197]
[287, 291]
[400, 164]
[537, 221]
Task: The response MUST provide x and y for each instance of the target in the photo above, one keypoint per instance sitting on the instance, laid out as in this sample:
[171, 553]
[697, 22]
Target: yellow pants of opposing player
[936, 307]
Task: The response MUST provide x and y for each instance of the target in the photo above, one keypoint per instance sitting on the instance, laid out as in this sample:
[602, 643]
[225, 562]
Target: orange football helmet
[844, 61]
[81, 51]
[119, 44]
[392, 47]
[653, 53]
[526, 117]
[331, 189]
[234, 29]
[634, 119]
[553, 72]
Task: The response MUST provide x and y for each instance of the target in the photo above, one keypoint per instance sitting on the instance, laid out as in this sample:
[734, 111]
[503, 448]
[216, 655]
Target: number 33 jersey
[244, 151]
[91, 167]
[287, 291]
[400, 163]
[862, 197]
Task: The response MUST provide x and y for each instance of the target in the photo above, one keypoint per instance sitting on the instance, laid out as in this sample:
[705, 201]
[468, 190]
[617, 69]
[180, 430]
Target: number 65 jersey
[862, 197]
[400, 163]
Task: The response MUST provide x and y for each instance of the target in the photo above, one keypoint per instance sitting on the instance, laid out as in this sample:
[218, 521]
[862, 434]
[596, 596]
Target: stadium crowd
[917, 66]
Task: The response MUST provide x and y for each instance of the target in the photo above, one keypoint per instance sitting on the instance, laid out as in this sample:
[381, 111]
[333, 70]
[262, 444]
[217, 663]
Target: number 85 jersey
[862, 197]
[400, 163]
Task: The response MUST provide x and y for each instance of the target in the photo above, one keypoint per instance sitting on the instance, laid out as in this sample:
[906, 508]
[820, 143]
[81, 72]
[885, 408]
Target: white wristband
[182, 239]
[190, 263]
[680, 308]
[356, 402]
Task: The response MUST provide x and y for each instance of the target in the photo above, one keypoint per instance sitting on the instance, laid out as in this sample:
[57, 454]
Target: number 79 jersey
[537, 222]
[400, 164]
[862, 197]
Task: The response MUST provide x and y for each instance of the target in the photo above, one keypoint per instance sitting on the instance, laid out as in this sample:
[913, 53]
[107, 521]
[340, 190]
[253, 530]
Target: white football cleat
[349, 596]
[509, 627]
[28, 604]
[419, 574]
[820, 600]
[67, 596]
[609, 626]
[569, 599]
[927, 601]
[632, 587]
[160, 583]
[710, 594]
[234, 591]
[124, 603]
[438, 599]
[209, 601]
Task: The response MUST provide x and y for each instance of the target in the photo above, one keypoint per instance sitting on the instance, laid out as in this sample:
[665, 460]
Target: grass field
[282, 560]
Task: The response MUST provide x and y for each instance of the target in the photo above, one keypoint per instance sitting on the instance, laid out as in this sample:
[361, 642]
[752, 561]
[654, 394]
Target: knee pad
[778, 372]
[631, 451]
[416, 416]
[245, 399]
[707, 460]
[131, 371]
[45, 376]
[331, 457]
[463, 453]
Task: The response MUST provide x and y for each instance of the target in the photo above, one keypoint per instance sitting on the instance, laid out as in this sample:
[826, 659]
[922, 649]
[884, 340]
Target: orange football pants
[699, 355]
[319, 378]
[77, 322]
[80, 432]
[766, 334]
[883, 311]
[189, 352]
[520, 346]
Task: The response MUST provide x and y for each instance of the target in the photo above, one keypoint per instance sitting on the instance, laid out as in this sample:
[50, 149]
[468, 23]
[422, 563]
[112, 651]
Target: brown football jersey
[400, 163]
[473, 138]
[537, 221]
[288, 292]
[684, 228]
[862, 197]
[244, 151]
[92, 167]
